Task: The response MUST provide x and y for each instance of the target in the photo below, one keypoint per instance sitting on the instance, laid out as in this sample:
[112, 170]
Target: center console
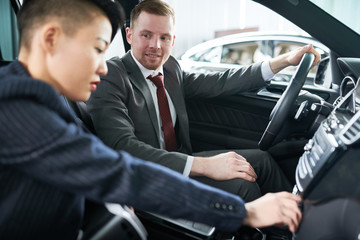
[330, 165]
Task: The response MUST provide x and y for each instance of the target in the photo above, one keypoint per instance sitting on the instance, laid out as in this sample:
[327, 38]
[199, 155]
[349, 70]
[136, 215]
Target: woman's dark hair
[73, 14]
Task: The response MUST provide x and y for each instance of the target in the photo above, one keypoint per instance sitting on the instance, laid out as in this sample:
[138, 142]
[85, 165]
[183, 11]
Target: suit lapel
[138, 81]
[174, 91]
[172, 85]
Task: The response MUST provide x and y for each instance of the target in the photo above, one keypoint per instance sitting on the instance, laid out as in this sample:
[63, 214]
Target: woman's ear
[50, 35]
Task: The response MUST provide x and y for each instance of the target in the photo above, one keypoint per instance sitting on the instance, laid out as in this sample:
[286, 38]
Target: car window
[284, 47]
[241, 54]
[341, 11]
[9, 36]
[212, 55]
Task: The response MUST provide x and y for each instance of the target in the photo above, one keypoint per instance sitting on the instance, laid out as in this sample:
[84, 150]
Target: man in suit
[49, 163]
[126, 114]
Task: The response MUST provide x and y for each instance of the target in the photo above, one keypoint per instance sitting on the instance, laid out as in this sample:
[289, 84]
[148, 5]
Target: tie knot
[157, 80]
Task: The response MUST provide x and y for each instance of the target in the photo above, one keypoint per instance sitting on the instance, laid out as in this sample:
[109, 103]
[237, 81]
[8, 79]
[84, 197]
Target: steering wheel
[282, 108]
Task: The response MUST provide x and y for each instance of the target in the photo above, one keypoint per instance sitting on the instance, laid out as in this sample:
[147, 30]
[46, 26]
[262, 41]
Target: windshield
[345, 11]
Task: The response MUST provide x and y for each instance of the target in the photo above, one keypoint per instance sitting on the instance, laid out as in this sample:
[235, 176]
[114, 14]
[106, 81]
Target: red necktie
[167, 125]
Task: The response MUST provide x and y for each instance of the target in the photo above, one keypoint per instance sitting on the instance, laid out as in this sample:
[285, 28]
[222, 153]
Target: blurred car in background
[243, 49]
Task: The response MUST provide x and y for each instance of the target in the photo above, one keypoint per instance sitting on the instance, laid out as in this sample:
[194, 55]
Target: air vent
[316, 153]
[351, 132]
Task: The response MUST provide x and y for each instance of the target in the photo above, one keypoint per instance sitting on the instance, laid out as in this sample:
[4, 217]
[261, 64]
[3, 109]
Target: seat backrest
[3, 62]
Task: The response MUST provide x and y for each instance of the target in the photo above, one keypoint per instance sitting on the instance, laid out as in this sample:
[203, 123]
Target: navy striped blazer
[49, 164]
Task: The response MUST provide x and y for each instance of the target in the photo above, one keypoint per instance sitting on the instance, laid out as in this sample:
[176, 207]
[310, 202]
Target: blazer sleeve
[229, 82]
[59, 154]
[109, 108]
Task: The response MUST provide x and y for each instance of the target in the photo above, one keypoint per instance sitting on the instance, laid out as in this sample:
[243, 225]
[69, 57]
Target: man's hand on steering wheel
[293, 58]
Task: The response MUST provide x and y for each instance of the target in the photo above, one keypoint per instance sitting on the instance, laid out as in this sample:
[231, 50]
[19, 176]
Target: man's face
[78, 61]
[151, 39]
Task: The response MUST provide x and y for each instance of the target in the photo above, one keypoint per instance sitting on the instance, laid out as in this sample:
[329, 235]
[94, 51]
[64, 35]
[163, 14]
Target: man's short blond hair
[156, 7]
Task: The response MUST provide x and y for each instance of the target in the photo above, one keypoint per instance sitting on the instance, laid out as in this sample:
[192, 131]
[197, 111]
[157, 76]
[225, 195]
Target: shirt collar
[146, 72]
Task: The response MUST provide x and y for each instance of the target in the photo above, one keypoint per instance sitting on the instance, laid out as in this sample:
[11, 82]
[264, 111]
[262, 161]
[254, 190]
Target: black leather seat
[3, 63]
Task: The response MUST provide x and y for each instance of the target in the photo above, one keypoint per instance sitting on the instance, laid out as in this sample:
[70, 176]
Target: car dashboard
[330, 165]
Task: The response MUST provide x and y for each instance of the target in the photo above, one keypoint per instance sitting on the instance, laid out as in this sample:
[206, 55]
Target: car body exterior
[243, 49]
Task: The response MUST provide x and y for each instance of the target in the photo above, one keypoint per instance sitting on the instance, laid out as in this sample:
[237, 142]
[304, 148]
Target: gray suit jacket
[124, 113]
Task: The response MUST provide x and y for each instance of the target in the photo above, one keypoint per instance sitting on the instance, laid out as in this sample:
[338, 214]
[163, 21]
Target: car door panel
[233, 122]
[238, 121]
